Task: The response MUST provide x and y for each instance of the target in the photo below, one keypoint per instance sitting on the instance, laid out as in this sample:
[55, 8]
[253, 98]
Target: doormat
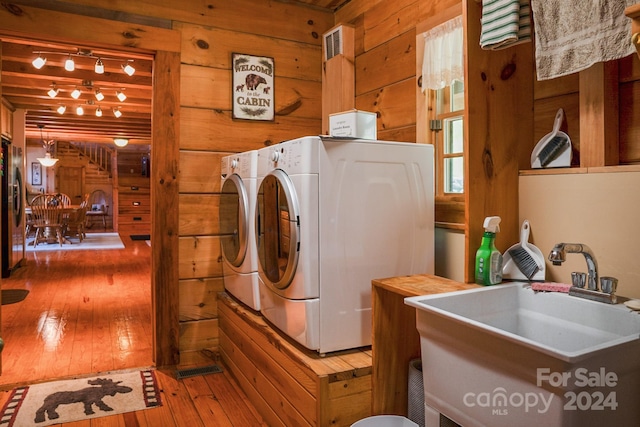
[80, 399]
[140, 236]
[12, 296]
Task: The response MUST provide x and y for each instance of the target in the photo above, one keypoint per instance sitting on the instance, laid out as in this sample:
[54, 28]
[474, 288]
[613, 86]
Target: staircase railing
[98, 154]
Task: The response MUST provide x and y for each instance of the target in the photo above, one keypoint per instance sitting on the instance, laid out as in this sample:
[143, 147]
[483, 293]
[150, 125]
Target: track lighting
[99, 95]
[53, 92]
[39, 61]
[99, 68]
[121, 96]
[61, 109]
[79, 110]
[75, 94]
[98, 112]
[120, 142]
[69, 65]
[117, 112]
[128, 69]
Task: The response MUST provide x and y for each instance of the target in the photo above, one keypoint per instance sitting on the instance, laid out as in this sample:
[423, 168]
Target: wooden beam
[40, 24]
[164, 199]
[599, 108]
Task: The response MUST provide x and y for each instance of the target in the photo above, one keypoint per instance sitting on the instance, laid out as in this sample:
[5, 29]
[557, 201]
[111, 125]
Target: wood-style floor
[90, 312]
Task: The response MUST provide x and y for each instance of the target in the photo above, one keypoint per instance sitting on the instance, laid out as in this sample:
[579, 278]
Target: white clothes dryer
[238, 243]
[331, 215]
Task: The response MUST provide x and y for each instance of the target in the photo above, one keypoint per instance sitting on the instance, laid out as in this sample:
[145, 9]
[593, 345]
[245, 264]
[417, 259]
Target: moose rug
[78, 399]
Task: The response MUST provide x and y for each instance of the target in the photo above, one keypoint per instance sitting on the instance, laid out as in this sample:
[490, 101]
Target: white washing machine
[331, 215]
[237, 212]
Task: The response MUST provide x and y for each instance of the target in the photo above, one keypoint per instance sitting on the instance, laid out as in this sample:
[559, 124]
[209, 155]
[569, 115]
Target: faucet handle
[578, 279]
[608, 284]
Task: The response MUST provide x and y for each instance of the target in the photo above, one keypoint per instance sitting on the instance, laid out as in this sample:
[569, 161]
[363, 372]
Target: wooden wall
[292, 37]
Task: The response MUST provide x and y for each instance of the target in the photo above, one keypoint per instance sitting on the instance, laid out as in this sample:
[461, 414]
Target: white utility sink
[486, 351]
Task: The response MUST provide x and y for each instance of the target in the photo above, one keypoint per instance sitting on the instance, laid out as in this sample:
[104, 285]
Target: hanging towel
[572, 35]
[504, 23]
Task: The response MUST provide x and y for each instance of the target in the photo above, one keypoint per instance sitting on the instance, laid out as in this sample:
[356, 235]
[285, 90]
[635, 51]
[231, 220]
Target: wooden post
[599, 110]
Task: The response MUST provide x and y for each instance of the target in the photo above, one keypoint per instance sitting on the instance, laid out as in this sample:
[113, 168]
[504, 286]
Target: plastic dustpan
[562, 156]
[510, 269]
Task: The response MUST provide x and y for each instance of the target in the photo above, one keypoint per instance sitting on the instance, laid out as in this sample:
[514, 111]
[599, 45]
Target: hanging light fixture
[117, 112]
[69, 65]
[53, 92]
[79, 110]
[121, 142]
[47, 160]
[99, 95]
[75, 94]
[61, 109]
[120, 95]
[128, 68]
[98, 112]
[99, 68]
[39, 61]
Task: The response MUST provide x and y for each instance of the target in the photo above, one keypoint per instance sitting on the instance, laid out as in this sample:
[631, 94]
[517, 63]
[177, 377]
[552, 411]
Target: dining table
[50, 235]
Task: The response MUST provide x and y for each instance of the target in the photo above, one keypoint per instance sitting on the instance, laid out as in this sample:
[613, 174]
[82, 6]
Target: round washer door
[234, 220]
[277, 229]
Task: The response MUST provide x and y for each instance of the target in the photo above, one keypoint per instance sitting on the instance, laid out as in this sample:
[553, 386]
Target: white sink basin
[508, 339]
[566, 327]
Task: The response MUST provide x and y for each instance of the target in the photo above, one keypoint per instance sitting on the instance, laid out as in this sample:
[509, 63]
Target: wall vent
[333, 43]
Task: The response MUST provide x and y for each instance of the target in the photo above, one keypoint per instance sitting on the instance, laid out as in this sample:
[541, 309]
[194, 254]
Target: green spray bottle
[488, 258]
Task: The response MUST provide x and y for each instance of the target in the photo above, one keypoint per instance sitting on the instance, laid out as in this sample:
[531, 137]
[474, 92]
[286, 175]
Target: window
[443, 105]
[449, 139]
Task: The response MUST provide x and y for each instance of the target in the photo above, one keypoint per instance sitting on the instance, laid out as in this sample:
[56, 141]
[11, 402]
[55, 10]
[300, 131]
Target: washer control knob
[234, 163]
[275, 156]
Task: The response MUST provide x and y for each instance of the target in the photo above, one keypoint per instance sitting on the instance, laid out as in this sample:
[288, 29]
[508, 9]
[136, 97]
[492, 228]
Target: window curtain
[443, 59]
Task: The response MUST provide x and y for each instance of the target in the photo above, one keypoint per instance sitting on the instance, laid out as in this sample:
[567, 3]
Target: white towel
[504, 23]
[572, 35]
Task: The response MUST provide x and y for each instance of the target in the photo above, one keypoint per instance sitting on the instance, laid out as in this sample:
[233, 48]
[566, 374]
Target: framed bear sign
[252, 87]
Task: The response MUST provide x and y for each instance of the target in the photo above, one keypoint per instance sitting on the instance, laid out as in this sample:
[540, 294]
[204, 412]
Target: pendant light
[47, 160]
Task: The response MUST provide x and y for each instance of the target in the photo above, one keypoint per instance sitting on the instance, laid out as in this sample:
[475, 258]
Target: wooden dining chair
[38, 200]
[75, 221]
[58, 200]
[47, 223]
[97, 207]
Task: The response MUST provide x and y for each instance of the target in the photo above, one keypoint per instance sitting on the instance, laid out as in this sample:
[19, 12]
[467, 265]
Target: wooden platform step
[290, 385]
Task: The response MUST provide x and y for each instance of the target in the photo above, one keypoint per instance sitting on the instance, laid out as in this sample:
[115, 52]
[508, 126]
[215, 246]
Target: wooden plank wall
[291, 36]
[385, 64]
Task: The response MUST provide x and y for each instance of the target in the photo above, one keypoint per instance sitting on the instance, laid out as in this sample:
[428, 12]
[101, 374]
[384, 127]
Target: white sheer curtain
[443, 59]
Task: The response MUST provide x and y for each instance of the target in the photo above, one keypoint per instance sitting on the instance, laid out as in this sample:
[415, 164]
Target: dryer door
[277, 229]
[234, 220]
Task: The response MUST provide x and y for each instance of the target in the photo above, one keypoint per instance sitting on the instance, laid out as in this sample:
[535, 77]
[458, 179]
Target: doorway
[71, 183]
[165, 46]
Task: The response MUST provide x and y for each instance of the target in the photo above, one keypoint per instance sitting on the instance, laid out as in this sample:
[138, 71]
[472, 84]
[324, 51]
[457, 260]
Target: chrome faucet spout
[557, 256]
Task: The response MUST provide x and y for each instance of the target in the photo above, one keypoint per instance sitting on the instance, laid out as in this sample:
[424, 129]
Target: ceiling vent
[333, 43]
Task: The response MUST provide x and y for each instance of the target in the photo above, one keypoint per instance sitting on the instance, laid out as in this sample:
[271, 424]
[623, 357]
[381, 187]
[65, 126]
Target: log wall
[208, 132]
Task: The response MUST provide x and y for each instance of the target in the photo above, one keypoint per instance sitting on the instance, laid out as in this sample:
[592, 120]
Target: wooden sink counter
[396, 340]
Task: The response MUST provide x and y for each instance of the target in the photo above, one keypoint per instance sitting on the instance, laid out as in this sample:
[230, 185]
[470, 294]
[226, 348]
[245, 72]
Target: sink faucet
[557, 257]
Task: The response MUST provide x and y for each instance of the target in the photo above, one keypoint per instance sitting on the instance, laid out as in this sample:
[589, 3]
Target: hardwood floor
[90, 312]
